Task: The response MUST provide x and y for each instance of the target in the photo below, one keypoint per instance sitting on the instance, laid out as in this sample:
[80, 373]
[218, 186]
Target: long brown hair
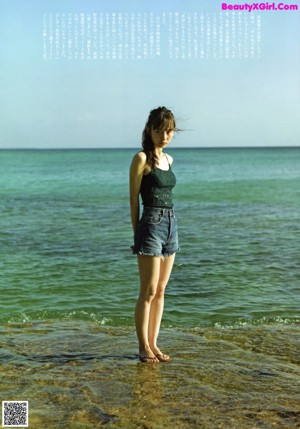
[159, 118]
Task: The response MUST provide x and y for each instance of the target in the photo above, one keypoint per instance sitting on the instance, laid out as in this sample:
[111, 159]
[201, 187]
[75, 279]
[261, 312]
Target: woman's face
[162, 137]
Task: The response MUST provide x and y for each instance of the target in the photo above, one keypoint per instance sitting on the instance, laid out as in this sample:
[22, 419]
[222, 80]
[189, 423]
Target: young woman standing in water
[155, 233]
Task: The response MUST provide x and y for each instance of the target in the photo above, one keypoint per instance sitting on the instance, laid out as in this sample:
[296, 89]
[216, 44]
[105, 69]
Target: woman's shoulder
[140, 156]
[139, 161]
[169, 158]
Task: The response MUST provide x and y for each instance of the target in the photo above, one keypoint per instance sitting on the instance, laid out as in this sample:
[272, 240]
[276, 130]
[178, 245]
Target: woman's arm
[135, 179]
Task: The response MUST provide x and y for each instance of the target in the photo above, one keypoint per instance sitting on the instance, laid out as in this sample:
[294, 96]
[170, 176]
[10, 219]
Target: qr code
[15, 413]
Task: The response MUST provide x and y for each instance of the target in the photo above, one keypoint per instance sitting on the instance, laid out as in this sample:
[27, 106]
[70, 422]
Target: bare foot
[147, 359]
[147, 356]
[160, 356]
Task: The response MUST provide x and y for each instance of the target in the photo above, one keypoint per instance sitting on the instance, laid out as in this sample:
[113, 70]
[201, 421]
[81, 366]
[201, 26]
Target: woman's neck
[159, 153]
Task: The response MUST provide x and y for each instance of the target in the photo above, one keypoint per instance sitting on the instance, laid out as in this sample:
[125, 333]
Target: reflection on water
[80, 375]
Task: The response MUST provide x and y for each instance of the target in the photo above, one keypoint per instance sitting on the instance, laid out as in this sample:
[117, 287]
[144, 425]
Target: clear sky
[242, 100]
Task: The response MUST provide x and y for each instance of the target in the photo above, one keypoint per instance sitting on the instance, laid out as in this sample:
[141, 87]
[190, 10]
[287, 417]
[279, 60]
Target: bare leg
[157, 305]
[149, 269]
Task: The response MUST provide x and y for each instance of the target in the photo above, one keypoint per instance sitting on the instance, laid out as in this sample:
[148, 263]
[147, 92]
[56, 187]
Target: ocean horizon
[139, 147]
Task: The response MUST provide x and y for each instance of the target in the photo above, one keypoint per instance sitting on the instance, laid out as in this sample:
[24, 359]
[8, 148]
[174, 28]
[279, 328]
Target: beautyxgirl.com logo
[250, 7]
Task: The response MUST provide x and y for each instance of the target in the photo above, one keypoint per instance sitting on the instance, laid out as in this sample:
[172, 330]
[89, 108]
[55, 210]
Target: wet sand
[79, 375]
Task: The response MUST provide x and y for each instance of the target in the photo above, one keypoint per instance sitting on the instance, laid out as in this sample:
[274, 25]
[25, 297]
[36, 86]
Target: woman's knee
[148, 293]
[160, 291]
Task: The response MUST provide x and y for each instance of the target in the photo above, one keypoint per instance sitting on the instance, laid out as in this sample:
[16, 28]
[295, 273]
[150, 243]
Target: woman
[155, 234]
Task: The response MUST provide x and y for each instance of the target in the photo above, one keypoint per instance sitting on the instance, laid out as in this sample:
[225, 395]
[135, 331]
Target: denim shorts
[156, 233]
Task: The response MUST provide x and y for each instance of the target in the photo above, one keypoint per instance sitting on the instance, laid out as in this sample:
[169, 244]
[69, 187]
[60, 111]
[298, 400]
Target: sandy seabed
[79, 375]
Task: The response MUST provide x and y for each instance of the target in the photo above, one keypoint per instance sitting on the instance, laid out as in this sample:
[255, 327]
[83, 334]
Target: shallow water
[81, 375]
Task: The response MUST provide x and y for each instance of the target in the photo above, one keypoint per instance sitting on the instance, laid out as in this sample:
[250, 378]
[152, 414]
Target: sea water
[69, 285]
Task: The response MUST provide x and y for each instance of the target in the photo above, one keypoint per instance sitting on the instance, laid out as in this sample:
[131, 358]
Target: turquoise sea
[69, 284]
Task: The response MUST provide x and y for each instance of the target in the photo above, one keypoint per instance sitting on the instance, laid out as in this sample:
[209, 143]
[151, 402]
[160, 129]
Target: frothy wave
[129, 322]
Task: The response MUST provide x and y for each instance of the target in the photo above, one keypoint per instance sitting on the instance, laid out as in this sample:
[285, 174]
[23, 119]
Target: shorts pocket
[152, 217]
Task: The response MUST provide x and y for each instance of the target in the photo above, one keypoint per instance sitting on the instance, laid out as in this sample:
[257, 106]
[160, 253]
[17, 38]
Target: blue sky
[104, 103]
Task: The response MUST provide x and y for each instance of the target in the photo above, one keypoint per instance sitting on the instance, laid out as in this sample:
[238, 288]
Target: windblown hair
[160, 118]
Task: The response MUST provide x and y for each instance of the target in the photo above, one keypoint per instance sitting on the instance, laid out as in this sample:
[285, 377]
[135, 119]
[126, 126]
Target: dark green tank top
[156, 188]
